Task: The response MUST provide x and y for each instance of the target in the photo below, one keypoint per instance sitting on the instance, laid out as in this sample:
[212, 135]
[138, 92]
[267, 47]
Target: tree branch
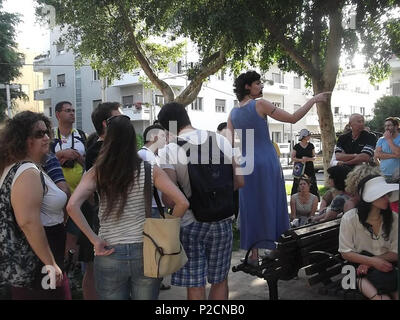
[212, 65]
[289, 47]
[142, 59]
[333, 48]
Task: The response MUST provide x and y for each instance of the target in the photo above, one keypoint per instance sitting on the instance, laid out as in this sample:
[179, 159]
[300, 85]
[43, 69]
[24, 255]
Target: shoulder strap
[45, 189]
[83, 136]
[158, 201]
[147, 188]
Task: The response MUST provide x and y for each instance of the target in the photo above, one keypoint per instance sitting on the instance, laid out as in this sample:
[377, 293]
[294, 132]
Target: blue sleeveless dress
[263, 206]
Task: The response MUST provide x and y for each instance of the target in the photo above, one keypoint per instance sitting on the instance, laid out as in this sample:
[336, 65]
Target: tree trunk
[325, 118]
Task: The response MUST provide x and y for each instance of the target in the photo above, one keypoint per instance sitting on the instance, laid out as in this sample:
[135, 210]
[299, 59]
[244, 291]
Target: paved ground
[243, 286]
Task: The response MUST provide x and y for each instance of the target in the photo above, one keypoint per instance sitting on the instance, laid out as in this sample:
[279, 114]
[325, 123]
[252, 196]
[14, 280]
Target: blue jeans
[120, 275]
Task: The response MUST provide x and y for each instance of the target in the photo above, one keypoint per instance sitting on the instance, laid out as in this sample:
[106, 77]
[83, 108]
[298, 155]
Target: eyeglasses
[110, 119]
[68, 110]
[39, 134]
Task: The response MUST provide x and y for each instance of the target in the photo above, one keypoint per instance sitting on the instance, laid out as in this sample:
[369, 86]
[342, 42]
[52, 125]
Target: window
[60, 48]
[396, 89]
[159, 100]
[127, 101]
[180, 67]
[362, 111]
[96, 75]
[296, 107]
[336, 110]
[96, 103]
[61, 80]
[50, 112]
[221, 75]
[297, 83]
[376, 87]
[277, 77]
[276, 136]
[197, 104]
[49, 83]
[277, 104]
[219, 105]
[235, 103]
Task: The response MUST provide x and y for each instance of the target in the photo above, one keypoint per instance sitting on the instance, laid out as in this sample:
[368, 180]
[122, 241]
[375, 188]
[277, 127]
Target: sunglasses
[39, 134]
[110, 119]
[68, 110]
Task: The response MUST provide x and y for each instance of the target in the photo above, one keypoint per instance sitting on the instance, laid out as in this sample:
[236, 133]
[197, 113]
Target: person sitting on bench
[368, 238]
[337, 176]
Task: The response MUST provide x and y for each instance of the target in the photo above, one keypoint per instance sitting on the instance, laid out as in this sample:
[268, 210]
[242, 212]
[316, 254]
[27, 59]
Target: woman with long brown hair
[118, 176]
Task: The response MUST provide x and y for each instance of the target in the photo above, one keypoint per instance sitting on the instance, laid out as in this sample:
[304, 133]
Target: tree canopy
[387, 106]
[116, 37]
[304, 36]
[10, 59]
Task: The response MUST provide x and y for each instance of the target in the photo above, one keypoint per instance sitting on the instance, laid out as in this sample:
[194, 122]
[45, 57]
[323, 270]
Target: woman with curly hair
[26, 192]
[368, 238]
[263, 206]
[353, 180]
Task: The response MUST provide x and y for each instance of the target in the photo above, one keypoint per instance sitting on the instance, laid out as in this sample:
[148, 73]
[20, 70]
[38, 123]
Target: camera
[69, 164]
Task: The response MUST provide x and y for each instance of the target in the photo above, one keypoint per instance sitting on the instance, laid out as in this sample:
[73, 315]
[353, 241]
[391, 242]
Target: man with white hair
[357, 146]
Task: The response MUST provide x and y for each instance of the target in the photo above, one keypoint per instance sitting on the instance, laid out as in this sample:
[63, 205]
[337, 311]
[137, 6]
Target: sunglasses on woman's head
[110, 119]
[39, 134]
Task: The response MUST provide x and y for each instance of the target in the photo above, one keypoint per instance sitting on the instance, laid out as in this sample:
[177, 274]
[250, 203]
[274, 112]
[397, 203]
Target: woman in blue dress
[263, 206]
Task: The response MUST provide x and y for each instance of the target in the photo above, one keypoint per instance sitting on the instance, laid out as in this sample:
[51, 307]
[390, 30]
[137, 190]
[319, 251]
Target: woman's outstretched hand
[322, 97]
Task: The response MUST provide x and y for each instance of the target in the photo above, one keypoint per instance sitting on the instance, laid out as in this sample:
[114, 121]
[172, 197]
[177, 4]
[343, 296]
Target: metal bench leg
[273, 289]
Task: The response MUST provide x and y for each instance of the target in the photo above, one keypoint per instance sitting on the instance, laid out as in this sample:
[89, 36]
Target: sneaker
[165, 286]
[253, 262]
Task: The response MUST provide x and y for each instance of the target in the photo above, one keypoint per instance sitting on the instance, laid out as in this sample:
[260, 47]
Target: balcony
[42, 94]
[41, 63]
[276, 88]
[137, 114]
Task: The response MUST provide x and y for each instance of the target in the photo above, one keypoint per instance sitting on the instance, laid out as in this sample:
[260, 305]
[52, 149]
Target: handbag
[298, 169]
[163, 253]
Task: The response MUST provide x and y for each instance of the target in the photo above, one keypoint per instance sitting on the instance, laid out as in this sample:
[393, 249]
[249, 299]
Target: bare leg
[219, 291]
[197, 293]
[89, 290]
[254, 254]
[369, 291]
[395, 295]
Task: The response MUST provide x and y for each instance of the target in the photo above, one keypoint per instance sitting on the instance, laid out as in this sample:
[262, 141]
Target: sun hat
[378, 187]
[304, 133]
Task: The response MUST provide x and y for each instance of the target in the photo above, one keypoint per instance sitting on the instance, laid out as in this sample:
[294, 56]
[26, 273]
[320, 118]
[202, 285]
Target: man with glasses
[69, 147]
[388, 149]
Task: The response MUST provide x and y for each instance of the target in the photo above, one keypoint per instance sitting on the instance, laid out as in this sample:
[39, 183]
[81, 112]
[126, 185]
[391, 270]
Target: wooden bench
[313, 247]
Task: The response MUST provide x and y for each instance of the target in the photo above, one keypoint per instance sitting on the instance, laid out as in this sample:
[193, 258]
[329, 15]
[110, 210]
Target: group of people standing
[106, 206]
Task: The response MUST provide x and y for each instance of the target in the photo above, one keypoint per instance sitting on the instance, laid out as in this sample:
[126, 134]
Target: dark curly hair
[365, 207]
[339, 174]
[240, 82]
[14, 136]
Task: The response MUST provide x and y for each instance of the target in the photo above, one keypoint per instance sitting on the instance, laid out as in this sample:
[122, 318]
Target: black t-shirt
[306, 152]
[364, 144]
[92, 154]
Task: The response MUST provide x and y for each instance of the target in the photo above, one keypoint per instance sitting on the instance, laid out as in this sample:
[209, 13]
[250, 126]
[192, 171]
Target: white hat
[304, 133]
[378, 187]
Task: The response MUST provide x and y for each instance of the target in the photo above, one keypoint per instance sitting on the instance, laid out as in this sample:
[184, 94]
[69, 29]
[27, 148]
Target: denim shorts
[208, 247]
[120, 275]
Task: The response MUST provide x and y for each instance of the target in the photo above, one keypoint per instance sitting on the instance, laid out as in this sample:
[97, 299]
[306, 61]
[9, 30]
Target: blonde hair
[357, 174]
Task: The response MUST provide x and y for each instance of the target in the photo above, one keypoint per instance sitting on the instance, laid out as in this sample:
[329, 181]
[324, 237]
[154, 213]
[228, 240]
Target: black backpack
[211, 180]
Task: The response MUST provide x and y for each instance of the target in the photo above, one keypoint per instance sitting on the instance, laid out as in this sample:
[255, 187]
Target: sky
[30, 34]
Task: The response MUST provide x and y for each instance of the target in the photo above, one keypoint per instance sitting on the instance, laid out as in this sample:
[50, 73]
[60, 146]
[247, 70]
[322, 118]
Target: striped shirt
[53, 168]
[128, 228]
